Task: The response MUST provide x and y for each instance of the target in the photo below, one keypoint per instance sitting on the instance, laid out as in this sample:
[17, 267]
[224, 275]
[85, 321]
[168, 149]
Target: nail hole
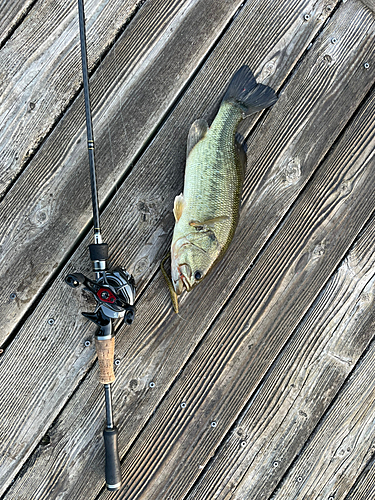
[183, 405]
[13, 296]
[45, 440]
[213, 424]
[87, 343]
[152, 384]
[117, 362]
[51, 321]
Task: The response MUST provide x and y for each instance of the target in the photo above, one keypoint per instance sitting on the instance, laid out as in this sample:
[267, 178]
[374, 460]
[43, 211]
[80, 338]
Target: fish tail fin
[251, 96]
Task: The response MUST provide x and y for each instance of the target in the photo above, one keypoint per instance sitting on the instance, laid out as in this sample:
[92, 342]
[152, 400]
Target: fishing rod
[113, 290]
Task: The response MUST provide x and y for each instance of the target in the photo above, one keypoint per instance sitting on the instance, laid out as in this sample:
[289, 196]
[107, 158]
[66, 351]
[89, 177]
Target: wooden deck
[277, 346]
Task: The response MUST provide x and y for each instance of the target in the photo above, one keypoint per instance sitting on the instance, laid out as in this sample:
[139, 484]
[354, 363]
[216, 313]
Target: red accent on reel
[105, 295]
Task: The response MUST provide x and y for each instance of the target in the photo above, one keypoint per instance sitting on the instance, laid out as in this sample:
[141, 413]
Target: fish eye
[197, 275]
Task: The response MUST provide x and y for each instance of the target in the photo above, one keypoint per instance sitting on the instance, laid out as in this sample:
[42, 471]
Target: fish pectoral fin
[179, 204]
[198, 131]
[208, 222]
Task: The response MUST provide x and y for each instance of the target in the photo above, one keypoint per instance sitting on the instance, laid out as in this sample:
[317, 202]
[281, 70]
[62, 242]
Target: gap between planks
[45, 222]
[304, 381]
[150, 325]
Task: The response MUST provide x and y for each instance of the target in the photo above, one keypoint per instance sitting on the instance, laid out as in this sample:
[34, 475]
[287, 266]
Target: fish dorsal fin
[198, 131]
[208, 222]
[179, 204]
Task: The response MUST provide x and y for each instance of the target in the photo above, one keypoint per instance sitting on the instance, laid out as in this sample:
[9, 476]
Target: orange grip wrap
[105, 350]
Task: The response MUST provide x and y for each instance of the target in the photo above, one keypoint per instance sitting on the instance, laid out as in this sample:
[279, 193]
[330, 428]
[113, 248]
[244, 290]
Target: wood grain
[11, 14]
[41, 72]
[365, 486]
[299, 388]
[159, 343]
[49, 206]
[345, 441]
[64, 359]
[247, 337]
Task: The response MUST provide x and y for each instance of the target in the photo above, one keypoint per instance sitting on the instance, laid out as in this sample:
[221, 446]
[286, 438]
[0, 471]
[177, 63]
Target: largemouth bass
[207, 212]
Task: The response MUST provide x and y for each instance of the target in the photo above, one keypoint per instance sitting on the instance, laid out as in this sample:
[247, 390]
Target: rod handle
[105, 350]
[112, 459]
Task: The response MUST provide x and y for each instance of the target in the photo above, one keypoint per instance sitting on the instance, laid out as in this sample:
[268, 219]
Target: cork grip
[105, 350]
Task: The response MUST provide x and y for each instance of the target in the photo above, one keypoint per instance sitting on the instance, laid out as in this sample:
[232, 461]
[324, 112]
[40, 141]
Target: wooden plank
[41, 72]
[12, 14]
[63, 360]
[158, 345]
[365, 486]
[343, 444]
[369, 4]
[299, 388]
[244, 341]
[47, 209]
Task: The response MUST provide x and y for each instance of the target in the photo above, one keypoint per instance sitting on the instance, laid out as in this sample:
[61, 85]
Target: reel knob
[75, 279]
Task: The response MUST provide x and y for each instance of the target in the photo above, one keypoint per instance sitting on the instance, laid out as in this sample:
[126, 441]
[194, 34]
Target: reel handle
[112, 460]
[105, 350]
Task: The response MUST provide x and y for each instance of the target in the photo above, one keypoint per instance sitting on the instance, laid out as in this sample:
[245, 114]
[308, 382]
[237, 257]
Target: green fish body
[207, 212]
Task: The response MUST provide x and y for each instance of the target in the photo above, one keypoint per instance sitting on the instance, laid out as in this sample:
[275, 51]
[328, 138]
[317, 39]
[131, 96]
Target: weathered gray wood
[365, 486]
[11, 14]
[157, 351]
[370, 4]
[41, 72]
[344, 443]
[245, 340]
[45, 212]
[49, 171]
[300, 386]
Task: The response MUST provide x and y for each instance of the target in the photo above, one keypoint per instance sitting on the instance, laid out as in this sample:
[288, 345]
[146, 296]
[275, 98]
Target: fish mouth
[180, 278]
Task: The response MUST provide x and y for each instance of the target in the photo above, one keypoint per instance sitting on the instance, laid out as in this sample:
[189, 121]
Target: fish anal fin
[197, 132]
[179, 204]
[241, 156]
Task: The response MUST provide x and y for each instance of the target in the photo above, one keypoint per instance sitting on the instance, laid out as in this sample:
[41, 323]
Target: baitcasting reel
[114, 292]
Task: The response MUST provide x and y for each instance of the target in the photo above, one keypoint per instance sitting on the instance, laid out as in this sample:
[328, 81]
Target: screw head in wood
[213, 424]
[51, 321]
[306, 17]
[152, 384]
[183, 405]
[117, 362]
[87, 343]
[13, 296]
[333, 40]
[366, 65]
